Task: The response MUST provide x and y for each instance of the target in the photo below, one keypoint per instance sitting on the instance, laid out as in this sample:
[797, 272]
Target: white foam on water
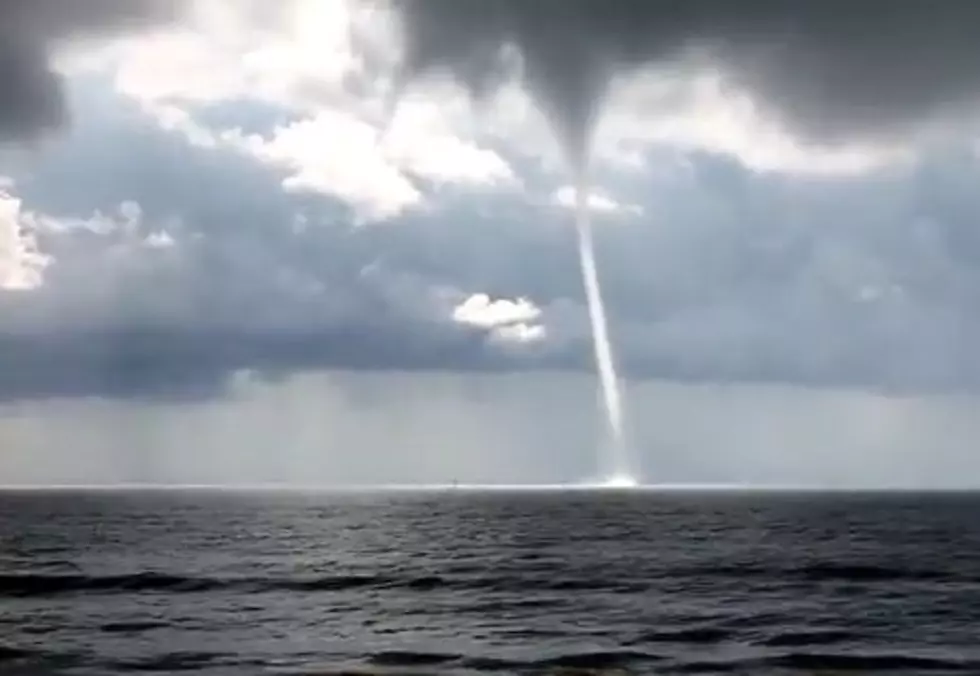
[620, 481]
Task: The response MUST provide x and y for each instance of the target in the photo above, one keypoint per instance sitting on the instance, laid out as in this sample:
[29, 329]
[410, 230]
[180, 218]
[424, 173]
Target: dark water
[496, 583]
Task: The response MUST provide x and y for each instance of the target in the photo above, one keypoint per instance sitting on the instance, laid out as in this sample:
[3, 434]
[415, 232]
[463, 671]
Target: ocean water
[433, 582]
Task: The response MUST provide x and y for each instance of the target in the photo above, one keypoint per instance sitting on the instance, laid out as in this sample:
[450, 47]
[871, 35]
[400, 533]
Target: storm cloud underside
[32, 100]
[831, 72]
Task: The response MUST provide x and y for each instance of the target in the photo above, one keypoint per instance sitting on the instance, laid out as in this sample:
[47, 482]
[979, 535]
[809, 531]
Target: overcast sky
[335, 428]
[201, 196]
[194, 188]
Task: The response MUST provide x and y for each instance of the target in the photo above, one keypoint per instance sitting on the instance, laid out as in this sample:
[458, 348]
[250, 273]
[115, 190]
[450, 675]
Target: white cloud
[330, 64]
[598, 202]
[423, 140]
[520, 333]
[159, 240]
[337, 154]
[296, 53]
[22, 265]
[507, 322]
[179, 66]
[480, 310]
[176, 119]
[340, 154]
[700, 111]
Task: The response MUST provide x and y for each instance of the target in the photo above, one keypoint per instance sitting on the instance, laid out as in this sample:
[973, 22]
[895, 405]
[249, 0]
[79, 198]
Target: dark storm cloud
[833, 70]
[240, 288]
[193, 363]
[30, 91]
[729, 275]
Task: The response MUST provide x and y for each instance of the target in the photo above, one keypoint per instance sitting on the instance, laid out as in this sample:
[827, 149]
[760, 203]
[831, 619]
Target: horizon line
[476, 487]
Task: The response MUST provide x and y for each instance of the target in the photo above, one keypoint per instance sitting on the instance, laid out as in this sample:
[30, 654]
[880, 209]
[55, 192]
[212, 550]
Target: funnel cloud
[832, 72]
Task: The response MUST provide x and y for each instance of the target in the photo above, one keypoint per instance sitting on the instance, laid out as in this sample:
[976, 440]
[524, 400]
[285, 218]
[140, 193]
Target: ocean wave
[9, 654]
[589, 662]
[685, 635]
[823, 572]
[829, 663]
[870, 663]
[132, 627]
[52, 584]
[792, 639]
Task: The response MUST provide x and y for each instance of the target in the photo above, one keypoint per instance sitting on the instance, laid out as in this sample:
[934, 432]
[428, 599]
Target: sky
[334, 428]
[197, 192]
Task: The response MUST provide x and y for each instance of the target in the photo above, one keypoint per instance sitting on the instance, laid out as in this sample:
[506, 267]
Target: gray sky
[378, 428]
[193, 189]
